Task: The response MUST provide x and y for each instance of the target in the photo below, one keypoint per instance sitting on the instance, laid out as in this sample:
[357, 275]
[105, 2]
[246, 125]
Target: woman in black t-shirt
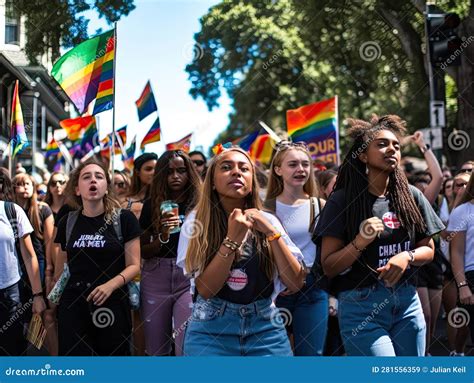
[165, 291]
[94, 312]
[372, 232]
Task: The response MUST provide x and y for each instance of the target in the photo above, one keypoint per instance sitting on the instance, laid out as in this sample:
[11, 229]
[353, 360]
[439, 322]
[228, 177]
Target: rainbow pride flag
[18, 138]
[146, 103]
[86, 73]
[74, 127]
[153, 135]
[184, 144]
[316, 124]
[259, 145]
[90, 139]
[52, 149]
[130, 154]
[120, 134]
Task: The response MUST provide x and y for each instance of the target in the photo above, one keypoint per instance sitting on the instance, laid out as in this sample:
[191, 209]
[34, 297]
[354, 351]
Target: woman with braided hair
[373, 230]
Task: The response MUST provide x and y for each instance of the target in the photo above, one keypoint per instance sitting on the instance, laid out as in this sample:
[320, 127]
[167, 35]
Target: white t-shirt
[444, 216]
[296, 220]
[188, 228]
[10, 274]
[462, 219]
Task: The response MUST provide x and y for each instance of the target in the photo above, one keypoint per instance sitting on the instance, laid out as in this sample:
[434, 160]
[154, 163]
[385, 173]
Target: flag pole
[112, 155]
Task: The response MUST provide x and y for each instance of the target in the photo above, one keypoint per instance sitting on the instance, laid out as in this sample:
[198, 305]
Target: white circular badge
[237, 280]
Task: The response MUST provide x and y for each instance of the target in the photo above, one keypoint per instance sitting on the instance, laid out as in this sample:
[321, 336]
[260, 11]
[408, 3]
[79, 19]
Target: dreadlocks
[352, 178]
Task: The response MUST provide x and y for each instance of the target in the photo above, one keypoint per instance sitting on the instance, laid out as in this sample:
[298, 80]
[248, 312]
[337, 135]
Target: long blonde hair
[110, 202]
[33, 205]
[210, 225]
[275, 182]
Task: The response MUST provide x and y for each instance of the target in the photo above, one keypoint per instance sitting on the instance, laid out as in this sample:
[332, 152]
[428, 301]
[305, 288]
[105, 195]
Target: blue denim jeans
[382, 321]
[218, 327]
[309, 313]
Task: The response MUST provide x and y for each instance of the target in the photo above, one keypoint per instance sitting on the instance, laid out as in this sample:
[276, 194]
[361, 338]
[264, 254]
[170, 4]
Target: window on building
[12, 24]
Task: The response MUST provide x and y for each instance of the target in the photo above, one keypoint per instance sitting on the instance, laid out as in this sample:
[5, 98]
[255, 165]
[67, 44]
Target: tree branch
[408, 37]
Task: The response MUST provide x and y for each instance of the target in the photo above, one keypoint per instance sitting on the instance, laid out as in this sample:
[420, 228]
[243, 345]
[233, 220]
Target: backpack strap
[71, 222]
[12, 218]
[117, 224]
[314, 213]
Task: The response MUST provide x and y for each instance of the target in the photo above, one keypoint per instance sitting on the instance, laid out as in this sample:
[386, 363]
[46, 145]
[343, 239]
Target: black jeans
[88, 330]
[12, 319]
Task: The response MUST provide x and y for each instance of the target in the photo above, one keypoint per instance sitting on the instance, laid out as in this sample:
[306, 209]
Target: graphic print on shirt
[386, 251]
[88, 241]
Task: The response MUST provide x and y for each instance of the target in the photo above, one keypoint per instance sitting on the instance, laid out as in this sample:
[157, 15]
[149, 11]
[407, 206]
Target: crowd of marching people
[186, 256]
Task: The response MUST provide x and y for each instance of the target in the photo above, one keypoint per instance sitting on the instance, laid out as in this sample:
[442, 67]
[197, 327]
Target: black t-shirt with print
[247, 281]
[167, 250]
[393, 240]
[94, 254]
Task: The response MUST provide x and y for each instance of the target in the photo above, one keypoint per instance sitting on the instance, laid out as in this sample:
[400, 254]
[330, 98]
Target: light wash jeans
[382, 321]
[219, 327]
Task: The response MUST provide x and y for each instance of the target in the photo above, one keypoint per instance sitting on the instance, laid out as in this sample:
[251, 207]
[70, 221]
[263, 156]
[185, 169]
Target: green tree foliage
[271, 56]
[51, 24]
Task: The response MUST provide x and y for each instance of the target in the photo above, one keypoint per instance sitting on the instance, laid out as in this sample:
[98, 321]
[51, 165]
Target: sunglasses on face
[460, 185]
[198, 162]
[120, 185]
[465, 171]
[56, 183]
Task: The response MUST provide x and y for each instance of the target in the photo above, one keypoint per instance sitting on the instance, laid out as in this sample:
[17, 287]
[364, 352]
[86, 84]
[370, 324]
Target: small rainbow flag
[75, 126]
[52, 149]
[259, 145]
[316, 124]
[153, 135]
[86, 72]
[18, 138]
[146, 103]
[184, 144]
[90, 139]
[130, 154]
[121, 135]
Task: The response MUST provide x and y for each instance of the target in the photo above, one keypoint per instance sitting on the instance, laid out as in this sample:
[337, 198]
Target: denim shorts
[219, 327]
[382, 321]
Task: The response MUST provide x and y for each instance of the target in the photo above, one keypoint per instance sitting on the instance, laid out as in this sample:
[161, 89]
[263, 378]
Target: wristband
[124, 281]
[161, 239]
[411, 253]
[273, 237]
[40, 294]
[424, 149]
[219, 253]
[462, 284]
[355, 247]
